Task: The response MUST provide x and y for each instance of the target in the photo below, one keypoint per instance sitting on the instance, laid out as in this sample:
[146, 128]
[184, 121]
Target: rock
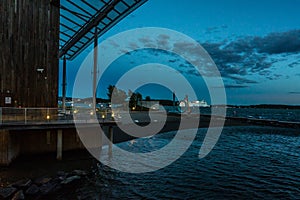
[19, 195]
[61, 173]
[7, 192]
[62, 178]
[48, 187]
[22, 184]
[79, 173]
[70, 179]
[42, 180]
[32, 190]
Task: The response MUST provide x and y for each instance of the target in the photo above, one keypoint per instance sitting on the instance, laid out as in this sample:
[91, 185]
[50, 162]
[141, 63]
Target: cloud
[228, 86]
[294, 92]
[251, 55]
[173, 60]
[274, 77]
[277, 43]
[294, 64]
[148, 42]
[215, 29]
[163, 41]
[240, 80]
[237, 59]
[114, 44]
[211, 30]
[236, 86]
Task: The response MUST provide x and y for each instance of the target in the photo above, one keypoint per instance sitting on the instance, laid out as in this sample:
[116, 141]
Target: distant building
[197, 103]
[153, 105]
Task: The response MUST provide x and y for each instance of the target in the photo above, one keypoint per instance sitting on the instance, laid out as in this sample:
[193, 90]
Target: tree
[117, 95]
[148, 98]
[110, 89]
[135, 98]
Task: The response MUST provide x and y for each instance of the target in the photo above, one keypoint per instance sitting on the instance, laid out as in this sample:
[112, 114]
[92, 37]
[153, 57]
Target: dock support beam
[9, 147]
[48, 140]
[59, 144]
[111, 136]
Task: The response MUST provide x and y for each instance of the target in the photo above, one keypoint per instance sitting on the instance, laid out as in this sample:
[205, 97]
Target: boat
[197, 103]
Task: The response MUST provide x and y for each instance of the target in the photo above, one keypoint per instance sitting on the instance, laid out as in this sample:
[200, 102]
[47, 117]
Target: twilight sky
[255, 45]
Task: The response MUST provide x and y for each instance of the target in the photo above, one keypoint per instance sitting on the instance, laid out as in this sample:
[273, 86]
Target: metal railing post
[48, 115]
[0, 115]
[25, 116]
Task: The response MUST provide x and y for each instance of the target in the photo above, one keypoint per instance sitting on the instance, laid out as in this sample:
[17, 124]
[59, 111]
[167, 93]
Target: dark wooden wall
[29, 38]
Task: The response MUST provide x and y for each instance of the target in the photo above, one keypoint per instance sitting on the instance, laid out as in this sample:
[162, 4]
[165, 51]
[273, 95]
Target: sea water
[246, 163]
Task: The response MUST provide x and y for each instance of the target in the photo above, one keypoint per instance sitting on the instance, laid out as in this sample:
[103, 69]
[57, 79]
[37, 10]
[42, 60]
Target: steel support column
[64, 85]
[95, 68]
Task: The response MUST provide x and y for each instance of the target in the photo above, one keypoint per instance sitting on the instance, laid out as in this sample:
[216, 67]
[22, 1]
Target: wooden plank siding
[29, 39]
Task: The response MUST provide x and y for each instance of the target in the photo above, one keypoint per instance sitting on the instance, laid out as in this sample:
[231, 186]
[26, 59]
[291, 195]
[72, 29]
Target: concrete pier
[9, 147]
[59, 144]
[56, 137]
[111, 138]
[27, 142]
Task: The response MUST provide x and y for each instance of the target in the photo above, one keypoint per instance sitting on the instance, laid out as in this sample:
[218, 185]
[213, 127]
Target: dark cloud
[215, 29]
[235, 59]
[173, 60]
[274, 77]
[228, 86]
[211, 30]
[235, 86]
[239, 79]
[277, 43]
[192, 72]
[148, 42]
[251, 55]
[163, 41]
[294, 92]
[163, 37]
[294, 64]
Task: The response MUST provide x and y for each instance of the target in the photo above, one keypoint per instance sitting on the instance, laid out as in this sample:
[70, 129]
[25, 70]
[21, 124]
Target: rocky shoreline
[46, 187]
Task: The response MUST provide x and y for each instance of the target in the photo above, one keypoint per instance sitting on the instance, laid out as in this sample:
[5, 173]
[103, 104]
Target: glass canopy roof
[78, 19]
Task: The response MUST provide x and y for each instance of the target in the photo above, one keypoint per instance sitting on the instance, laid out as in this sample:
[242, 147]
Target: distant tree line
[119, 96]
[267, 106]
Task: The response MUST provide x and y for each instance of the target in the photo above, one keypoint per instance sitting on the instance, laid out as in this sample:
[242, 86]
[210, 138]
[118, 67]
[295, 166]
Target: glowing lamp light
[48, 117]
[133, 108]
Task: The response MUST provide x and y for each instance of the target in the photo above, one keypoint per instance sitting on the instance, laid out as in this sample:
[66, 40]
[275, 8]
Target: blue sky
[255, 45]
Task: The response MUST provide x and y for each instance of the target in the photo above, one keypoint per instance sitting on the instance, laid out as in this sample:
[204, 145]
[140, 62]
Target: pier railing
[9, 115]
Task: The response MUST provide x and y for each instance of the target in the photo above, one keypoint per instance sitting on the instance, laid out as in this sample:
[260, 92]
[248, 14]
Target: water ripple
[246, 163]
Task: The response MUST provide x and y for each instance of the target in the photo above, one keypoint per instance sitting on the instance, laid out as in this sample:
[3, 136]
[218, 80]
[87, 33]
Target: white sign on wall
[7, 100]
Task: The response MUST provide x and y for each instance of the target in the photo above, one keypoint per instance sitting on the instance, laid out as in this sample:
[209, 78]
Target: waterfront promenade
[59, 134]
